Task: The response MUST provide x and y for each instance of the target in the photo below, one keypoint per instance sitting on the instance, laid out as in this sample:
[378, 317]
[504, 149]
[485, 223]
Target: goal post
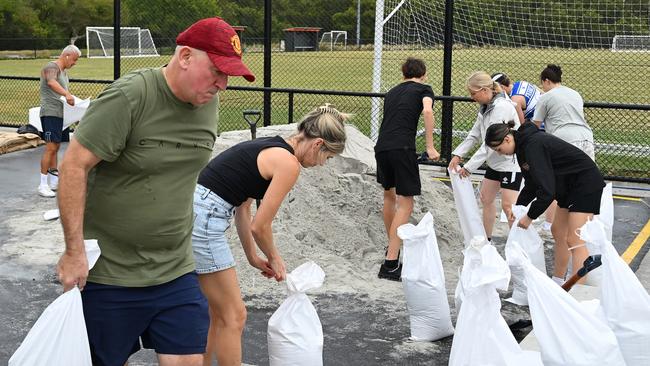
[134, 42]
[334, 38]
[631, 43]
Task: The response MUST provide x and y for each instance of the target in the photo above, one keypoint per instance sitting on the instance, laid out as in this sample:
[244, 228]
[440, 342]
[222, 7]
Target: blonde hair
[481, 79]
[328, 123]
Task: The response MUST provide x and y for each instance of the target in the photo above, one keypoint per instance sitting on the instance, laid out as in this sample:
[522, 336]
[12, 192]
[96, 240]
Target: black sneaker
[393, 274]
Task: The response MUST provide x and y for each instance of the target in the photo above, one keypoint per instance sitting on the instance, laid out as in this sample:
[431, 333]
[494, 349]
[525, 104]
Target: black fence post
[116, 39]
[290, 108]
[267, 62]
[447, 104]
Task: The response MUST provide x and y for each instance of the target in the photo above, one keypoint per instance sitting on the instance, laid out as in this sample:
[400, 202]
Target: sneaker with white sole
[45, 191]
[53, 179]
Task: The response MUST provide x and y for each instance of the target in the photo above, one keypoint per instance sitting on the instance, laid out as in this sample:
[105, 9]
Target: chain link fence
[319, 46]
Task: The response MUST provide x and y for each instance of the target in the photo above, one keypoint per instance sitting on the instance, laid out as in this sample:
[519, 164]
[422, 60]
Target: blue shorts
[212, 217]
[52, 128]
[171, 318]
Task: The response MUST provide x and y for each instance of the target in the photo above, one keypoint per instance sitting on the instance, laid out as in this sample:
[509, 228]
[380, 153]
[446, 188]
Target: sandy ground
[332, 216]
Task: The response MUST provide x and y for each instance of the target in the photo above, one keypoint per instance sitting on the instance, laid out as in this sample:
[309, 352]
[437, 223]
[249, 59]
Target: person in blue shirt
[524, 94]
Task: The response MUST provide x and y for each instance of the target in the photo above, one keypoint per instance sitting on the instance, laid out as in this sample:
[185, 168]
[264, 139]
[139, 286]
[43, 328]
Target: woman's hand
[525, 222]
[262, 265]
[453, 164]
[464, 173]
[433, 154]
[278, 267]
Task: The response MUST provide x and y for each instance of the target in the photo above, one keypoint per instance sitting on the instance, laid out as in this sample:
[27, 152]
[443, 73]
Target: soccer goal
[134, 42]
[631, 44]
[334, 38]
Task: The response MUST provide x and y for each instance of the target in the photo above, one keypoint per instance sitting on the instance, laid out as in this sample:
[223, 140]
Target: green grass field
[599, 75]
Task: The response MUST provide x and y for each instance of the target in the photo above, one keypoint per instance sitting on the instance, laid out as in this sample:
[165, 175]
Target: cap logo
[236, 45]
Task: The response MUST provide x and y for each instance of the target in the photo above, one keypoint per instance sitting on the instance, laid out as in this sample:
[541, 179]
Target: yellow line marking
[637, 244]
[635, 199]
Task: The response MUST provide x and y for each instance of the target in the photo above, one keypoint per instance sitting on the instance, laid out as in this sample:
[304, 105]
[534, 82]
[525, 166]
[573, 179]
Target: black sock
[391, 263]
[489, 239]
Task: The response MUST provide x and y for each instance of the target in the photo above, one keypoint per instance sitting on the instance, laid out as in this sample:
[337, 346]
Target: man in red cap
[127, 180]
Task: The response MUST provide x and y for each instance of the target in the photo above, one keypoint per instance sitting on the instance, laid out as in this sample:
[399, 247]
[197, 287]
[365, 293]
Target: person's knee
[487, 199]
[234, 318]
[51, 148]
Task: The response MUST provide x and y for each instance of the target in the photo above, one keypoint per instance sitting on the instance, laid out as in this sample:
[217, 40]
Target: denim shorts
[212, 218]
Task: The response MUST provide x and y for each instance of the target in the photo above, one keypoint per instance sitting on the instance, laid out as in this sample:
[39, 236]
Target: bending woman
[553, 169]
[524, 94]
[502, 171]
[265, 168]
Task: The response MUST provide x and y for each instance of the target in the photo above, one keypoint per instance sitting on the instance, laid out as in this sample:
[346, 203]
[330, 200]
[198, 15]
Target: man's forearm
[57, 88]
[72, 201]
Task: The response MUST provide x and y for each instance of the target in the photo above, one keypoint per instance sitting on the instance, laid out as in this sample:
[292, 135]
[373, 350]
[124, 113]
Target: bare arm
[73, 172]
[50, 74]
[429, 125]
[284, 170]
[520, 105]
[243, 224]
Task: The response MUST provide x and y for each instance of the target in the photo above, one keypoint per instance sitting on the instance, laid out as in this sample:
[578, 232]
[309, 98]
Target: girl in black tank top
[267, 169]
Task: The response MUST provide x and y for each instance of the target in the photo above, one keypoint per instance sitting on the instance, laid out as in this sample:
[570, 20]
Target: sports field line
[636, 245]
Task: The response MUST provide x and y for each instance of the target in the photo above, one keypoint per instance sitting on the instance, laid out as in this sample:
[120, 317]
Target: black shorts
[399, 169]
[581, 202]
[52, 128]
[508, 180]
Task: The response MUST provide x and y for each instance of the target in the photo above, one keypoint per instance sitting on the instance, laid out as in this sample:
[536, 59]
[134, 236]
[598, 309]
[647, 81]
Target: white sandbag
[568, 334]
[606, 216]
[466, 206]
[295, 334]
[59, 335]
[533, 245]
[74, 113]
[482, 335]
[423, 280]
[625, 302]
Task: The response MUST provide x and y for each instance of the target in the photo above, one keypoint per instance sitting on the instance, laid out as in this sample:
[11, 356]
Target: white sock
[43, 179]
[54, 179]
[558, 280]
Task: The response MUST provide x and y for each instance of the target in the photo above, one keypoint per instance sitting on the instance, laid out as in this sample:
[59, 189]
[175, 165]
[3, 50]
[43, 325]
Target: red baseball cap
[217, 38]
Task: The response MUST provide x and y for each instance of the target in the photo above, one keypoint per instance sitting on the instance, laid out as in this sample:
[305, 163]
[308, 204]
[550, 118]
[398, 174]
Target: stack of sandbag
[423, 280]
[295, 334]
[12, 141]
[624, 300]
[529, 240]
[482, 336]
[567, 332]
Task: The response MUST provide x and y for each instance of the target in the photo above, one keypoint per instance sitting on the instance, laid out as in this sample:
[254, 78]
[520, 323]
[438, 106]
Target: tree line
[58, 22]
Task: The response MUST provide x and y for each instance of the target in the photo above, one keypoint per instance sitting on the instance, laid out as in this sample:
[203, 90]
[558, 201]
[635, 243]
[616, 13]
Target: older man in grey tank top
[53, 85]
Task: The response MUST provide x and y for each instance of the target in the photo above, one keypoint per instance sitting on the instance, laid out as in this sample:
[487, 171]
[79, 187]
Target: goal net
[631, 43]
[518, 37]
[334, 39]
[134, 42]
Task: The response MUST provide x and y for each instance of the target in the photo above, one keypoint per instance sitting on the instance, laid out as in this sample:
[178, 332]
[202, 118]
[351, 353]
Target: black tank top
[233, 175]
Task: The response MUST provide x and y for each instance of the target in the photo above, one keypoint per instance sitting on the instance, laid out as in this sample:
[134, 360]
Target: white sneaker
[45, 191]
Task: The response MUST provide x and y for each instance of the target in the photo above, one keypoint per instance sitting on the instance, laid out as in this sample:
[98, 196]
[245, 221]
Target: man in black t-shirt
[397, 167]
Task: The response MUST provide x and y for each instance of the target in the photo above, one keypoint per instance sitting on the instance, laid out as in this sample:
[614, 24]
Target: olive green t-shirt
[139, 198]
